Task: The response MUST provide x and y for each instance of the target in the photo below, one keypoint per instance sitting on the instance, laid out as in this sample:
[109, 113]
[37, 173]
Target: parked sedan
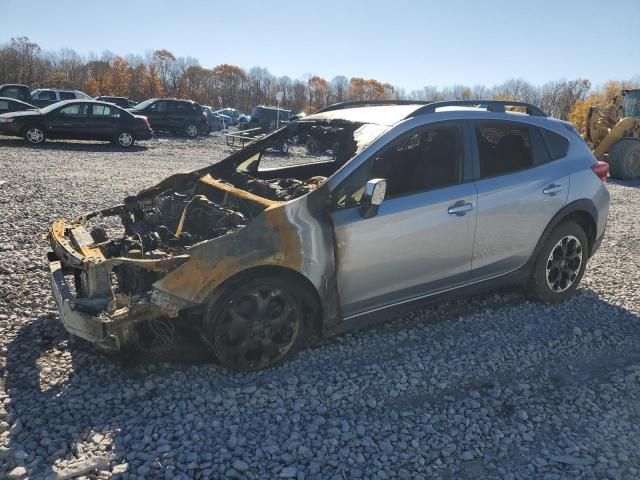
[12, 105]
[78, 120]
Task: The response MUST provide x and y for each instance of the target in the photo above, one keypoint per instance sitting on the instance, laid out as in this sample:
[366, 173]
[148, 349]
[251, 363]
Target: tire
[312, 146]
[34, 134]
[191, 130]
[560, 264]
[284, 148]
[624, 159]
[256, 323]
[124, 139]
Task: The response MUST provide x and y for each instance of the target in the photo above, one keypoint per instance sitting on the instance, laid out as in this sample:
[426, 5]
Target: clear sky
[406, 43]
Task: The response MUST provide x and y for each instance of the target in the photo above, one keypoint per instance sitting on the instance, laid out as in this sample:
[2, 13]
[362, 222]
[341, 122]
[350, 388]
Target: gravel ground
[491, 387]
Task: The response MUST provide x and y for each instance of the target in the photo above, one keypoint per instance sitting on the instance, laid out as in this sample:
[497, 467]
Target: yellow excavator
[614, 135]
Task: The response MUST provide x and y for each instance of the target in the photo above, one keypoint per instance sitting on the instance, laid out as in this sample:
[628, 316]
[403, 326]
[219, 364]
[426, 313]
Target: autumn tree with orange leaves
[162, 73]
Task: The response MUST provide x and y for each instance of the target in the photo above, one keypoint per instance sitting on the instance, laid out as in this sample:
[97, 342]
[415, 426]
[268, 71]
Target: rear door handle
[460, 208]
[552, 189]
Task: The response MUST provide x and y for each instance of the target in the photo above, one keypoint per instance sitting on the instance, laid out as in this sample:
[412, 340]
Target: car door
[69, 121]
[103, 121]
[156, 113]
[519, 192]
[177, 115]
[421, 240]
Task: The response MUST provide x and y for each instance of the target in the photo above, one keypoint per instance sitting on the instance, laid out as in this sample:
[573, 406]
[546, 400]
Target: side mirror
[374, 192]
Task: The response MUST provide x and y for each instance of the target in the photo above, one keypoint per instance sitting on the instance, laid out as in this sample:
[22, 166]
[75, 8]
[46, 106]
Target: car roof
[11, 99]
[377, 114]
[389, 113]
[84, 100]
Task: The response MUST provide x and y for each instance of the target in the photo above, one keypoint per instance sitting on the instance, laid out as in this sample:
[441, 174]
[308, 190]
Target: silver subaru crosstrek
[415, 202]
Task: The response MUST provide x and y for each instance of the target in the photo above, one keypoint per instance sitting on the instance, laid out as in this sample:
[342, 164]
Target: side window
[159, 107]
[67, 96]
[46, 95]
[503, 147]
[182, 107]
[424, 159]
[104, 111]
[557, 144]
[4, 106]
[75, 110]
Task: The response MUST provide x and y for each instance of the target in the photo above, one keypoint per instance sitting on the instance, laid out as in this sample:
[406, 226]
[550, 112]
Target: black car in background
[78, 120]
[184, 117]
[268, 118]
[122, 102]
[44, 97]
[17, 91]
[12, 105]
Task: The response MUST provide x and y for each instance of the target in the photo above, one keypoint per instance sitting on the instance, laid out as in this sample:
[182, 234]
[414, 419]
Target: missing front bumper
[109, 332]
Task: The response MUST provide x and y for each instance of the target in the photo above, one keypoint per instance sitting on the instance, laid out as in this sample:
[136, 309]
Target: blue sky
[406, 43]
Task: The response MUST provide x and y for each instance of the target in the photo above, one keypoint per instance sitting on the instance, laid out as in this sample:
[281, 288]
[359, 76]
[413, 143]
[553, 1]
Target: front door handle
[552, 189]
[460, 208]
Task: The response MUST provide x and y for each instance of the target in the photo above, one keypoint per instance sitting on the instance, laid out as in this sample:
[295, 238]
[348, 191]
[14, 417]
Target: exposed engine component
[280, 189]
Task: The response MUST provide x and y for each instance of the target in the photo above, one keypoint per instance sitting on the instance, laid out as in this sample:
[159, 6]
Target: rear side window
[104, 111]
[503, 147]
[67, 96]
[4, 106]
[556, 144]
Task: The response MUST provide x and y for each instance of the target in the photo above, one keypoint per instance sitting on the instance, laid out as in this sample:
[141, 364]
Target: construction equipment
[614, 135]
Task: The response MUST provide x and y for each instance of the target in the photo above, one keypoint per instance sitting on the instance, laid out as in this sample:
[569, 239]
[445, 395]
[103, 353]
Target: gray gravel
[492, 387]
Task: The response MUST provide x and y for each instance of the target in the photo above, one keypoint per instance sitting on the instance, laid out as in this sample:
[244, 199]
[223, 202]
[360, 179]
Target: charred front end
[151, 258]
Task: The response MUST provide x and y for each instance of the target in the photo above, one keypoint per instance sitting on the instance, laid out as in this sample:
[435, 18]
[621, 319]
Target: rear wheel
[191, 130]
[560, 264]
[256, 324]
[34, 134]
[624, 160]
[124, 139]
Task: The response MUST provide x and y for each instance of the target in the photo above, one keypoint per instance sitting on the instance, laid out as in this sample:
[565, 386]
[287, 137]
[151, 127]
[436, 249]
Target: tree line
[161, 73]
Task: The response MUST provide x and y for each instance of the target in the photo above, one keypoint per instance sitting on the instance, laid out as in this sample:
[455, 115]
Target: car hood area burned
[163, 252]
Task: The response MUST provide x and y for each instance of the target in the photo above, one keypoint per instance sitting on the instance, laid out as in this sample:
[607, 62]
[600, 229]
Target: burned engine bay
[150, 234]
[172, 221]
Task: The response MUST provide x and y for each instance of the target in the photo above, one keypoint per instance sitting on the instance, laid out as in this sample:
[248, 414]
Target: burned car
[258, 258]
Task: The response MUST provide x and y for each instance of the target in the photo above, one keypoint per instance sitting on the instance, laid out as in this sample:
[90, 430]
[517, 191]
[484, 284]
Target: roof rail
[369, 103]
[490, 105]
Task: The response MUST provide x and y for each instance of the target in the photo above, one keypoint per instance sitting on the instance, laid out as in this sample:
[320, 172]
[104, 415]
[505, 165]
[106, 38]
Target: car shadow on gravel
[71, 146]
[86, 394]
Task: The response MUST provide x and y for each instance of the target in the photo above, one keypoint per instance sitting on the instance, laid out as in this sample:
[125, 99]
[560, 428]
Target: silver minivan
[417, 202]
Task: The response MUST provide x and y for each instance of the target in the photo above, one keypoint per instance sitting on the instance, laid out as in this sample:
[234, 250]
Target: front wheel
[125, 139]
[34, 134]
[560, 264]
[255, 324]
[191, 130]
